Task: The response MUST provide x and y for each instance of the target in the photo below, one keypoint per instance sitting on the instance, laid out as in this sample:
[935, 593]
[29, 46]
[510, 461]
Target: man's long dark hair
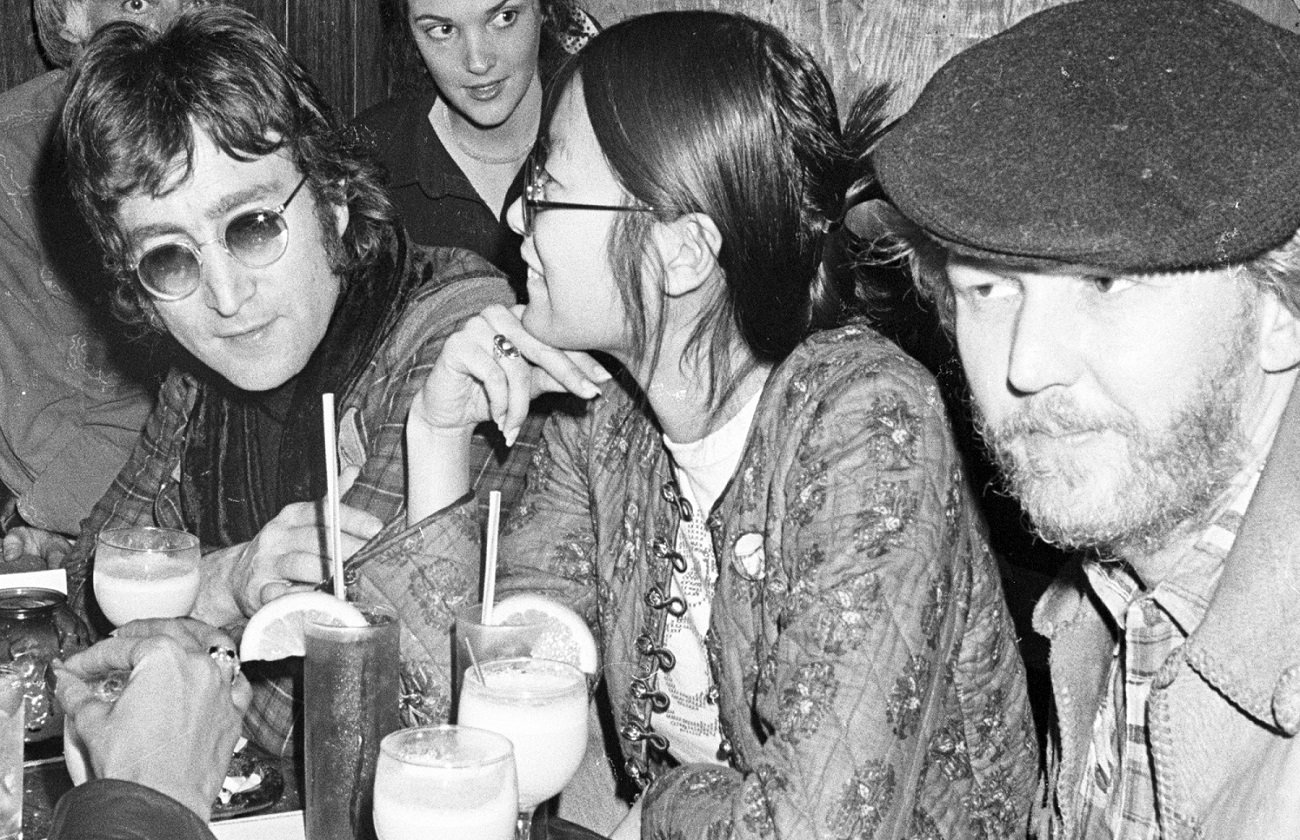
[139, 97]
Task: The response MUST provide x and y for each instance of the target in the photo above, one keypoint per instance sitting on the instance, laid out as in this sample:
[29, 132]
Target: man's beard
[1125, 490]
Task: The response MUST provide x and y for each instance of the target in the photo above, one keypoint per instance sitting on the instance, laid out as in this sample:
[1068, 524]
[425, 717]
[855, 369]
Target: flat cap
[1133, 135]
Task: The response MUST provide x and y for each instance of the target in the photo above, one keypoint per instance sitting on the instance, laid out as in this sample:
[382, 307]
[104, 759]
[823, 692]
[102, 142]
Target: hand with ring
[492, 368]
[175, 723]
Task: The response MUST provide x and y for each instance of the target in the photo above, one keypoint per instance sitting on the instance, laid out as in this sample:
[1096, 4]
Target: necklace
[441, 118]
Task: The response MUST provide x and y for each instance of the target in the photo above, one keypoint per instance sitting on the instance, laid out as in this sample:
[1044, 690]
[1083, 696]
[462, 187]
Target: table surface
[46, 779]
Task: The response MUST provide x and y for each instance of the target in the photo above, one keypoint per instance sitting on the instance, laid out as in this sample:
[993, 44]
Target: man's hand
[288, 555]
[174, 726]
[28, 549]
[190, 633]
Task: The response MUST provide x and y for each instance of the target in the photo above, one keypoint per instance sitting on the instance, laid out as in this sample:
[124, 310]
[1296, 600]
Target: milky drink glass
[350, 690]
[146, 572]
[541, 706]
[445, 781]
[11, 754]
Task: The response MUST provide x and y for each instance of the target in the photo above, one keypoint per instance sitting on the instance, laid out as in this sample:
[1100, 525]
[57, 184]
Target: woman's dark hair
[705, 112]
[563, 30]
[139, 96]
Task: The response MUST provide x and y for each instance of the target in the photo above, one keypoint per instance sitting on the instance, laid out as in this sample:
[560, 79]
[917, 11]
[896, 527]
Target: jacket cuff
[113, 809]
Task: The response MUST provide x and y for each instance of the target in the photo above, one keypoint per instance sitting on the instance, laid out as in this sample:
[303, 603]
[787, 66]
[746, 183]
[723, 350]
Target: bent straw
[332, 494]
[490, 562]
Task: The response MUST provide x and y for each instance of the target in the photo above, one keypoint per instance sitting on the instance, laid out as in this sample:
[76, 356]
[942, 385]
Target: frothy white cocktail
[146, 573]
[447, 781]
[541, 706]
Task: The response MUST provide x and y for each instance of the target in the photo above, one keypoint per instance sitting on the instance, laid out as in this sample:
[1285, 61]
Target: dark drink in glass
[350, 688]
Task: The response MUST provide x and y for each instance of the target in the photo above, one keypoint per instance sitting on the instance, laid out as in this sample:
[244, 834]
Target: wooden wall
[351, 46]
[342, 43]
[900, 41]
[18, 57]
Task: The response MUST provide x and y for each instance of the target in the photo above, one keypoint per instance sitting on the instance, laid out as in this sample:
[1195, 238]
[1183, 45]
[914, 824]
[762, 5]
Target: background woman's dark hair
[139, 95]
[405, 68]
[704, 112]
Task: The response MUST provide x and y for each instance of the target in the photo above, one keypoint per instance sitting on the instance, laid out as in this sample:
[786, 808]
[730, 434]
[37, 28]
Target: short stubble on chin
[1131, 489]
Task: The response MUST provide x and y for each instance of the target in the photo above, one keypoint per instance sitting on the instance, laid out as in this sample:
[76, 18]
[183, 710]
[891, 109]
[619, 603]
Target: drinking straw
[473, 660]
[332, 495]
[490, 562]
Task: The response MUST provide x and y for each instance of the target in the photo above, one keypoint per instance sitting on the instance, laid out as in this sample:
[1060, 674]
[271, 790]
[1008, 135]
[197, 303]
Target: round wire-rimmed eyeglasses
[535, 198]
[256, 239]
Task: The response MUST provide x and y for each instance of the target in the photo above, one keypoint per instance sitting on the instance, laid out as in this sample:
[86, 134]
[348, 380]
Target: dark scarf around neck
[248, 454]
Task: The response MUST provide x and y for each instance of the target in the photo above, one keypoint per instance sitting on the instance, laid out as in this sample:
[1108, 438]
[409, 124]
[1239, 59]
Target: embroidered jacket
[865, 668]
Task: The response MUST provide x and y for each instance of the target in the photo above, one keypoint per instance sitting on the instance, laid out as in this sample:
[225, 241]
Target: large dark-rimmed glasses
[256, 239]
[535, 198]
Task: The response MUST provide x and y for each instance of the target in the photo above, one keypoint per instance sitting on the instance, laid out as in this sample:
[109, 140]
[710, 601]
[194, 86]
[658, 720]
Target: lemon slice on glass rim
[565, 636]
[278, 630]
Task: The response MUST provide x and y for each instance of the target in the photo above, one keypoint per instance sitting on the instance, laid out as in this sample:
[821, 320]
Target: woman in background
[455, 153]
[766, 523]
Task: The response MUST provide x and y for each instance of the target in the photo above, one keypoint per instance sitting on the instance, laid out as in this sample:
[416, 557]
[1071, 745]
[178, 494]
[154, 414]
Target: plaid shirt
[1116, 795]
[372, 418]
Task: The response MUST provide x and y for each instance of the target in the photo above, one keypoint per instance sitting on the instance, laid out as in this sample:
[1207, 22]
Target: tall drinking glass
[351, 691]
[146, 572]
[11, 754]
[541, 706]
[445, 781]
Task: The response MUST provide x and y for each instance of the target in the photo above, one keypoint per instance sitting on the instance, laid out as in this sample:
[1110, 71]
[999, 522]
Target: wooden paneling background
[18, 58]
[860, 42]
[353, 48]
[344, 43]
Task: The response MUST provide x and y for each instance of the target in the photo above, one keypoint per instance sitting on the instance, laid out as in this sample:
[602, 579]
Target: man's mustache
[1052, 417]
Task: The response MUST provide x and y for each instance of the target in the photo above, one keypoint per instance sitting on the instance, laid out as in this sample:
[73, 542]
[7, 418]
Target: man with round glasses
[245, 225]
[75, 397]
[170, 271]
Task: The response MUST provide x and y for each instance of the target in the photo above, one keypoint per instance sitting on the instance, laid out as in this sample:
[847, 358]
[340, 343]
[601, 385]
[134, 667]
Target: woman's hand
[175, 724]
[490, 370]
[481, 377]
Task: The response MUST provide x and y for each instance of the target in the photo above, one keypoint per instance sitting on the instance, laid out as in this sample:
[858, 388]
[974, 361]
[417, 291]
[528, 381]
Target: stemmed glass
[445, 781]
[541, 706]
[146, 572]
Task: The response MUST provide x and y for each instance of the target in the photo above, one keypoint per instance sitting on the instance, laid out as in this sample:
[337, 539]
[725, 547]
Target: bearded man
[1102, 202]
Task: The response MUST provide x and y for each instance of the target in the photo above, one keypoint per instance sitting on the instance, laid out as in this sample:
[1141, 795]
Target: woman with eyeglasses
[455, 153]
[765, 522]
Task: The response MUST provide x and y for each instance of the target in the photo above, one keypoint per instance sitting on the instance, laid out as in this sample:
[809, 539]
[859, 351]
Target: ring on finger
[504, 348]
[226, 659]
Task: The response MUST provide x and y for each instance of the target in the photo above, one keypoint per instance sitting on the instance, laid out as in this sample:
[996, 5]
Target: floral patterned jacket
[866, 671]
